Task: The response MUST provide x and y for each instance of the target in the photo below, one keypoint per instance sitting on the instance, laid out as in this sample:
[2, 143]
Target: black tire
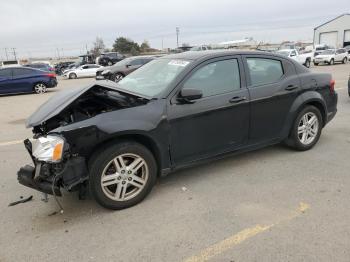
[294, 140]
[316, 64]
[331, 62]
[344, 60]
[102, 160]
[117, 77]
[40, 88]
[307, 63]
[72, 76]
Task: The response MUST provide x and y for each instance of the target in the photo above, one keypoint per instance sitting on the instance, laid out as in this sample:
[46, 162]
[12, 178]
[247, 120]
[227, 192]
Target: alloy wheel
[118, 77]
[40, 88]
[124, 177]
[308, 128]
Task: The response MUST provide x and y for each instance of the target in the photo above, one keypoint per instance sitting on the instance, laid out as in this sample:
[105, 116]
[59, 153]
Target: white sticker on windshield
[178, 63]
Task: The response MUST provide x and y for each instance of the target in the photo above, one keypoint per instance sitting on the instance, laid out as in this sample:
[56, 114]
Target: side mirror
[128, 65]
[189, 94]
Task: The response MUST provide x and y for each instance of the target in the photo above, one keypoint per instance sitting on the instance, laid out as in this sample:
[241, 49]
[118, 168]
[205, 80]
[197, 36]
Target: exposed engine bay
[95, 101]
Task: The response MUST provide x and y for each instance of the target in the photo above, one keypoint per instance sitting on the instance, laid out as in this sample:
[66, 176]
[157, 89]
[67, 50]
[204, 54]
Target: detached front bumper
[49, 178]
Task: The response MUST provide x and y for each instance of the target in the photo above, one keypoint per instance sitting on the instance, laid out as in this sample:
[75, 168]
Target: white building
[335, 32]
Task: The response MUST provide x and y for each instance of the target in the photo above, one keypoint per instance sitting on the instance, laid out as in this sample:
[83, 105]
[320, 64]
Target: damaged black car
[174, 112]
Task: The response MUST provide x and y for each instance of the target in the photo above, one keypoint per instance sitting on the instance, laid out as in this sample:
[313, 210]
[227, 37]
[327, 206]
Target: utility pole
[58, 53]
[14, 53]
[177, 36]
[162, 44]
[7, 57]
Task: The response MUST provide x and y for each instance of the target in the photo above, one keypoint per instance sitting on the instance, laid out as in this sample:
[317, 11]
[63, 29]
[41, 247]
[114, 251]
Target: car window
[5, 73]
[293, 53]
[22, 71]
[216, 78]
[264, 71]
[136, 62]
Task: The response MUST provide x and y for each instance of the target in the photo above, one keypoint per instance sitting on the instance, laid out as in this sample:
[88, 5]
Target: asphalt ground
[273, 204]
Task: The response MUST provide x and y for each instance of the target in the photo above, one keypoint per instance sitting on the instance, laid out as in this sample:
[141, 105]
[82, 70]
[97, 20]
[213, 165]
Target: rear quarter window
[264, 71]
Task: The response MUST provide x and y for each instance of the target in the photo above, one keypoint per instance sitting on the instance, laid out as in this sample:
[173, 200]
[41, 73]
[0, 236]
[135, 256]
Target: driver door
[216, 123]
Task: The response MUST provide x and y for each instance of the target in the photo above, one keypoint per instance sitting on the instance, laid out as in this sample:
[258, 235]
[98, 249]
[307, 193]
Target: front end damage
[49, 177]
[57, 161]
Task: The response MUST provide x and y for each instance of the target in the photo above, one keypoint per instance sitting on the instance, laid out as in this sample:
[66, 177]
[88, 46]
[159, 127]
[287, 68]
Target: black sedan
[25, 80]
[174, 112]
[121, 69]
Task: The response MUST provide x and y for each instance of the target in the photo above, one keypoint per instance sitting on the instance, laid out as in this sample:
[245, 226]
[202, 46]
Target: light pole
[177, 36]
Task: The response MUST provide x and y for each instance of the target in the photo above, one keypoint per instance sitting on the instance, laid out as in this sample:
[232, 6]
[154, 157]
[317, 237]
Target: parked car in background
[200, 48]
[121, 69]
[61, 67]
[319, 49]
[331, 56]
[41, 66]
[9, 63]
[347, 48]
[25, 80]
[108, 59]
[174, 112]
[304, 59]
[87, 70]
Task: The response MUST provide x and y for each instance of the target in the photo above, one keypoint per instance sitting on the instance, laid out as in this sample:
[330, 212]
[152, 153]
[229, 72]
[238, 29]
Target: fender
[305, 98]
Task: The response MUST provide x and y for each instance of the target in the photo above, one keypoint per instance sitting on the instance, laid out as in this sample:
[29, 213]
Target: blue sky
[38, 27]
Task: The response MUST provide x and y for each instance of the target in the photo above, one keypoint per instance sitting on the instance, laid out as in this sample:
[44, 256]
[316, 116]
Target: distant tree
[145, 46]
[126, 46]
[98, 46]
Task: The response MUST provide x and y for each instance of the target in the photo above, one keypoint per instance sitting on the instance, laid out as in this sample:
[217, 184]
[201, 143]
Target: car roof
[196, 55]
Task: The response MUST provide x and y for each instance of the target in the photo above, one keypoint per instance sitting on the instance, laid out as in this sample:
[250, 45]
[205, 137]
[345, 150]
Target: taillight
[51, 75]
[331, 86]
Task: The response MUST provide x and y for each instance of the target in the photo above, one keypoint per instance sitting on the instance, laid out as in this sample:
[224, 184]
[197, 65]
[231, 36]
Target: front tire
[344, 60]
[122, 175]
[331, 62]
[72, 76]
[316, 64]
[307, 63]
[306, 129]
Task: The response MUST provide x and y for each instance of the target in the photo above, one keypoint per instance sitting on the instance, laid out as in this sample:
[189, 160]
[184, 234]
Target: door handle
[237, 99]
[291, 87]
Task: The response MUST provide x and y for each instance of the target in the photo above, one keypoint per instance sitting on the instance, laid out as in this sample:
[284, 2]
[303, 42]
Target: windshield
[328, 52]
[284, 53]
[154, 77]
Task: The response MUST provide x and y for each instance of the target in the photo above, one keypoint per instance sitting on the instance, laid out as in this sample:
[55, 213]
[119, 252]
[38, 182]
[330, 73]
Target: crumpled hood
[55, 105]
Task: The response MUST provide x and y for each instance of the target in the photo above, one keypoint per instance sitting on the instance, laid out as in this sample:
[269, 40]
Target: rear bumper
[52, 83]
[331, 114]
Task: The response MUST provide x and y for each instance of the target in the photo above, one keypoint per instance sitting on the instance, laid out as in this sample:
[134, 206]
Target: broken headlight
[48, 149]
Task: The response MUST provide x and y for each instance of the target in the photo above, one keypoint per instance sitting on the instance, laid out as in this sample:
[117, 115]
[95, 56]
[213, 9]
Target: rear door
[273, 86]
[5, 80]
[22, 79]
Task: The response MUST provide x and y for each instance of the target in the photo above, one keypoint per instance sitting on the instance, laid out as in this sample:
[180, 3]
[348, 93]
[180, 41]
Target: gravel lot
[273, 204]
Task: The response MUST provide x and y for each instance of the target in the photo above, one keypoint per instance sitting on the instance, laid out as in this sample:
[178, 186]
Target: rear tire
[72, 76]
[114, 182]
[331, 62]
[306, 129]
[307, 63]
[344, 60]
[117, 77]
[40, 88]
[316, 64]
